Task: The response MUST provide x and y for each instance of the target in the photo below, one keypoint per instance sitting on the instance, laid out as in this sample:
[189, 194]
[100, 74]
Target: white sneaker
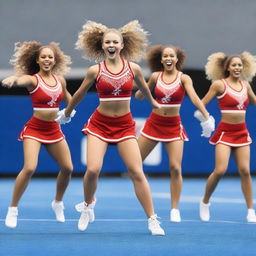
[204, 211]
[58, 208]
[251, 217]
[175, 215]
[11, 217]
[154, 226]
[87, 214]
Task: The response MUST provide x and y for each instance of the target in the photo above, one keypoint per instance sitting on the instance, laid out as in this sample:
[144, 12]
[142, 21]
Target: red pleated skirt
[42, 131]
[233, 135]
[164, 128]
[110, 129]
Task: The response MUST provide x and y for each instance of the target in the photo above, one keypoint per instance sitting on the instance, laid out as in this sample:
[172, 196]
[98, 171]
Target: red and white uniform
[44, 97]
[169, 94]
[232, 101]
[110, 129]
[166, 128]
[112, 87]
[43, 131]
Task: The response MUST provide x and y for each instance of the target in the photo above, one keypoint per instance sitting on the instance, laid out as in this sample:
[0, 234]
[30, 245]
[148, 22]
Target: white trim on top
[46, 109]
[115, 99]
[233, 111]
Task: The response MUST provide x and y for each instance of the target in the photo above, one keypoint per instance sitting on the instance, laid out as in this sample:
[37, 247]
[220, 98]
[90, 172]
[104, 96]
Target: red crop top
[169, 94]
[44, 96]
[232, 101]
[113, 87]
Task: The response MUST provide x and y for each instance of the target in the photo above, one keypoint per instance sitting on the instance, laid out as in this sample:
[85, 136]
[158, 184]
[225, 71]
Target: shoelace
[80, 207]
[154, 221]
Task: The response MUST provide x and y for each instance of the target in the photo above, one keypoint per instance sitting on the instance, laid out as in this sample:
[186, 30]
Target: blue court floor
[121, 227]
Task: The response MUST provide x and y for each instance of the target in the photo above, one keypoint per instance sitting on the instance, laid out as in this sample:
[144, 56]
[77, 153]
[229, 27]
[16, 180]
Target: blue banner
[198, 155]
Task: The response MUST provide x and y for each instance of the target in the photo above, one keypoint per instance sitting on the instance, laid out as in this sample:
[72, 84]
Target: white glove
[199, 116]
[208, 126]
[62, 119]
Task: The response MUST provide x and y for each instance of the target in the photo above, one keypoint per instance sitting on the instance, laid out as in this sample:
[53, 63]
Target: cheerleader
[40, 69]
[169, 85]
[112, 122]
[230, 75]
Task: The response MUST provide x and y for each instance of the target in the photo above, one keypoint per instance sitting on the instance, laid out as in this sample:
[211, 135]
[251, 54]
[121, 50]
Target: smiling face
[112, 44]
[46, 59]
[235, 67]
[169, 58]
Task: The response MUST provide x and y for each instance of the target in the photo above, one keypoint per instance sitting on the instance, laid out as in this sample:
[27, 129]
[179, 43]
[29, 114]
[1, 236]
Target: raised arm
[142, 85]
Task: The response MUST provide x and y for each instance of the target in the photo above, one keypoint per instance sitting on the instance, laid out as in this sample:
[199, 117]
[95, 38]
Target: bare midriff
[167, 111]
[46, 115]
[233, 118]
[114, 108]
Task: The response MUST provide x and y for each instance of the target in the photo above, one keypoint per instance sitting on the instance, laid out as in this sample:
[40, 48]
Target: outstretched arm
[26, 81]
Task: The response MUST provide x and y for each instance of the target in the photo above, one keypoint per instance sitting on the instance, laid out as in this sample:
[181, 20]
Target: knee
[218, 173]
[92, 173]
[136, 175]
[67, 169]
[244, 172]
[28, 170]
[175, 170]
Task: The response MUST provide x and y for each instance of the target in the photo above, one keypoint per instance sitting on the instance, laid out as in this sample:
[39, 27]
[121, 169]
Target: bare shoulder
[62, 79]
[185, 78]
[155, 75]
[135, 67]
[28, 79]
[218, 86]
[93, 71]
[246, 83]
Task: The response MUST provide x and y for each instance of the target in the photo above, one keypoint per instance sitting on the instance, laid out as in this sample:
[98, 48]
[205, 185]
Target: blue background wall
[198, 153]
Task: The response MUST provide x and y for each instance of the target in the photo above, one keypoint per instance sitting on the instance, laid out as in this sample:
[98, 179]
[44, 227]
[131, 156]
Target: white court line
[138, 220]
[196, 199]
[183, 199]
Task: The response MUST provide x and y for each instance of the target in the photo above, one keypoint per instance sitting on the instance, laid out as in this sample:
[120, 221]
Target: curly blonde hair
[134, 38]
[26, 55]
[216, 67]
[154, 57]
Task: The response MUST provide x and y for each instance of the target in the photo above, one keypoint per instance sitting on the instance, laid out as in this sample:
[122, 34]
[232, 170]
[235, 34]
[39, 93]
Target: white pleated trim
[109, 140]
[43, 141]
